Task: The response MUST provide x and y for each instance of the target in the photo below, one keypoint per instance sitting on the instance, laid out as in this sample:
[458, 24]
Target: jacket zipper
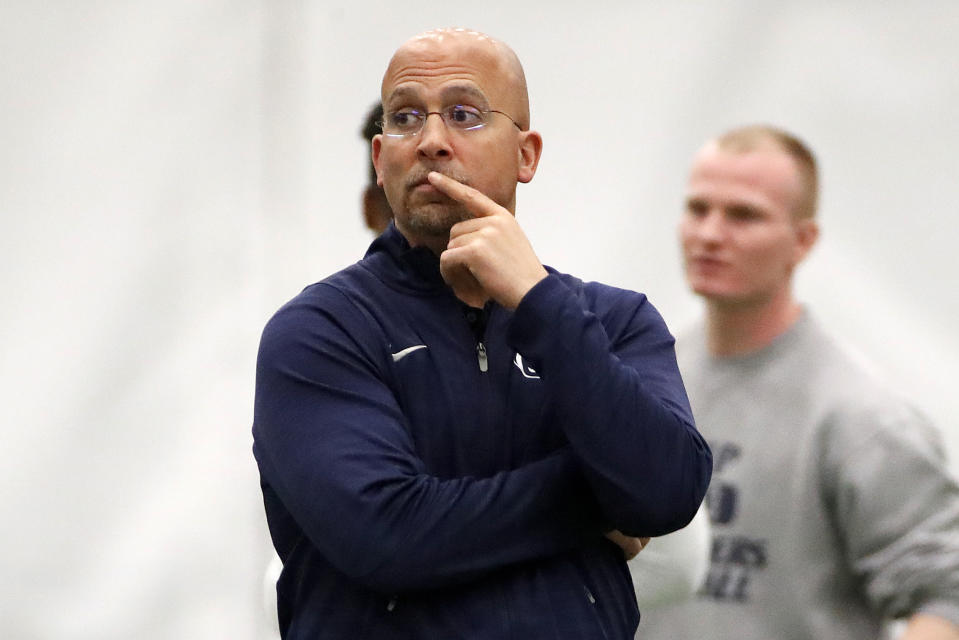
[589, 595]
[481, 357]
[477, 319]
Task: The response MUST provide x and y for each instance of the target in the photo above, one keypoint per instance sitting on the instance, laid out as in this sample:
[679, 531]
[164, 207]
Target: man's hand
[631, 546]
[487, 256]
[925, 626]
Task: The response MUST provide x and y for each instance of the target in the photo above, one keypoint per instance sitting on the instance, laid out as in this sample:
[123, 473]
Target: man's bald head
[441, 50]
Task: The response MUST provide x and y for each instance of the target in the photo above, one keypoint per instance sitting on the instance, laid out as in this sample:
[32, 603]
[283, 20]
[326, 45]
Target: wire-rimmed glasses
[458, 117]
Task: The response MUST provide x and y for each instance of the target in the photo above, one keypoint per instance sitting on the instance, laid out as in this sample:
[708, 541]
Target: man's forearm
[924, 626]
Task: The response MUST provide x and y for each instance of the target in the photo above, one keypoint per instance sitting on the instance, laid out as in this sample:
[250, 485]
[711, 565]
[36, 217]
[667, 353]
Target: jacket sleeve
[896, 506]
[332, 445]
[617, 393]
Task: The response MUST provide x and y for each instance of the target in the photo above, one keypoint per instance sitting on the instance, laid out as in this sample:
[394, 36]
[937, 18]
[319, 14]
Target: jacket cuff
[539, 308]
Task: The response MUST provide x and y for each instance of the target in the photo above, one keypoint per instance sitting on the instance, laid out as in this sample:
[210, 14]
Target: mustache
[418, 177]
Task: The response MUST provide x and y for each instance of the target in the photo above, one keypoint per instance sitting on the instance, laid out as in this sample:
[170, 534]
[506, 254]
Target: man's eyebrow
[741, 209]
[460, 91]
[402, 93]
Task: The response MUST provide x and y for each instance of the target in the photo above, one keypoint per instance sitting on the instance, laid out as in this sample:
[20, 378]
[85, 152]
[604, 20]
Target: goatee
[433, 214]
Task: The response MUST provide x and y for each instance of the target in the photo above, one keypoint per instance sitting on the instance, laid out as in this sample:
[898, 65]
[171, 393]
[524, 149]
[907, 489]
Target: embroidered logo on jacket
[525, 369]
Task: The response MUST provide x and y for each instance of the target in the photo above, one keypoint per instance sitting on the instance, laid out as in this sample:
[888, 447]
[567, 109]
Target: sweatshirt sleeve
[672, 568]
[333, 447]
[897, 508]
[616, 391]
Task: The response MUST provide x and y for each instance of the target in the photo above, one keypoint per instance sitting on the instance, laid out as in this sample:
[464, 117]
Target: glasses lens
[461, 116]
[403, 122]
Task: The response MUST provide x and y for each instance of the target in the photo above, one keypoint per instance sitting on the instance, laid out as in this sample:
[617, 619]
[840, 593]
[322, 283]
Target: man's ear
[807, 233]
[530, 149]
[377, 145]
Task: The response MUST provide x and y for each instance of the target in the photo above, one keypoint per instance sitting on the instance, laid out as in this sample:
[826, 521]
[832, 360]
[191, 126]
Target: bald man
[455, 441]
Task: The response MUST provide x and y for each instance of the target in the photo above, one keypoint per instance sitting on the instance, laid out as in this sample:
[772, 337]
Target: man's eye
[405, 118]
[464, 116]
[744, 213]
[696, 208]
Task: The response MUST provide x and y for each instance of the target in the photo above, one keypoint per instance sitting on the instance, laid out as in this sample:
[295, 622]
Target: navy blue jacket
[434, 471]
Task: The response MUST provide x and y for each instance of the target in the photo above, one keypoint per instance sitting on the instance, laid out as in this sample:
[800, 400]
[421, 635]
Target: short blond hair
[754, 137]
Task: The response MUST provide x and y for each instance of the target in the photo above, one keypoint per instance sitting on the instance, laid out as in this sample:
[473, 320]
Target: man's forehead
[766, 170]
[456, 90]
[760, 165]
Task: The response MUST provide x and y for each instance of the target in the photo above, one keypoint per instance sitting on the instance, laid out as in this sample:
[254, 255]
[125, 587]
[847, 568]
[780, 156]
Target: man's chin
[435, 218]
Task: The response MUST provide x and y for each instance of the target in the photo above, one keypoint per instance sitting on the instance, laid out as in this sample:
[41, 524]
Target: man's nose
[711, 226]
[434, 138]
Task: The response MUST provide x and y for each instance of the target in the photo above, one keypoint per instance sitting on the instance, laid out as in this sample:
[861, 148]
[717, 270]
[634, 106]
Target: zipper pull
[481, 356]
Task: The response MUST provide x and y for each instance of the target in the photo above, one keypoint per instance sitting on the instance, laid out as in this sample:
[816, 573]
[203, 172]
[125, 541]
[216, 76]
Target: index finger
[476, 202]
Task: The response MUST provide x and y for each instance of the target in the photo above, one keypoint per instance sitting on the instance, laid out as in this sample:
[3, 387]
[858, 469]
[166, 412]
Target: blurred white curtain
[130, 186]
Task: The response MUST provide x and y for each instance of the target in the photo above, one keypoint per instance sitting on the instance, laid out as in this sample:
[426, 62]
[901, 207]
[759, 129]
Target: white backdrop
[172, 172]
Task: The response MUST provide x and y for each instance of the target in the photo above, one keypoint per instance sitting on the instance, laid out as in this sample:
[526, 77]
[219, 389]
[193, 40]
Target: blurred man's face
[739, 238]
[431, 75]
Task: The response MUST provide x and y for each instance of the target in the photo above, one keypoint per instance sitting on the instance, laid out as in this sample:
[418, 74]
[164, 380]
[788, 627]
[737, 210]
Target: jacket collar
[394, 261]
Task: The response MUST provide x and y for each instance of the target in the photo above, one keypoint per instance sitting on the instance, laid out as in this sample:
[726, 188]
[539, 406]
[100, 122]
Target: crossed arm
[340, 467]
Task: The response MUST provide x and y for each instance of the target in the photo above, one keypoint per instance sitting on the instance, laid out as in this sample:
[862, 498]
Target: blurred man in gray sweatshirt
[832, 507]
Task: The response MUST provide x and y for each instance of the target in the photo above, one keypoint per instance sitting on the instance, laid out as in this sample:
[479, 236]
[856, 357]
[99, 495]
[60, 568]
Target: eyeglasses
[459, 117]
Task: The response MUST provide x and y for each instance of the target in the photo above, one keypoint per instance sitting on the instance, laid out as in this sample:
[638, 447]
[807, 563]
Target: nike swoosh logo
[399, 355]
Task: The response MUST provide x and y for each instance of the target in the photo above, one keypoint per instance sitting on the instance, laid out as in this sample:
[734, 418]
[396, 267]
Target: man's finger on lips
[477, 203]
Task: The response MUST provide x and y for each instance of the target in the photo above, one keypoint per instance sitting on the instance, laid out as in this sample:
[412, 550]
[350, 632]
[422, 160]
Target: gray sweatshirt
[831, 504]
